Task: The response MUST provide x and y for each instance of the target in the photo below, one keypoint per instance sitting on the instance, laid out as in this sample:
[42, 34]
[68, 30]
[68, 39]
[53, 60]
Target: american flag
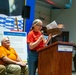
[8, 22]
[2, 20]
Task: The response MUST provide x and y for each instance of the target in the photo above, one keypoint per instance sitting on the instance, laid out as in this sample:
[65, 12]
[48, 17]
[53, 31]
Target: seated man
[8, 57]
[2, 69]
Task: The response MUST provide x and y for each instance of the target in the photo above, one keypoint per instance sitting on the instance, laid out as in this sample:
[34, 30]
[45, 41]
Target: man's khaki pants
[13, 69]
[2, 70]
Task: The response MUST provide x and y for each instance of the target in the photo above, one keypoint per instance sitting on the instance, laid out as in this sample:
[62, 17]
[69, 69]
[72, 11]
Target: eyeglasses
[7, 41]
[39, 25]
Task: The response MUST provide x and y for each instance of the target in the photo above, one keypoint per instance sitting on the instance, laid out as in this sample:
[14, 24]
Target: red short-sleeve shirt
[32, 37]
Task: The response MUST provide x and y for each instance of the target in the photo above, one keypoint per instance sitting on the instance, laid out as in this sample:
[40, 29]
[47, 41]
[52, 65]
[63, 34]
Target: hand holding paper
[53, 29]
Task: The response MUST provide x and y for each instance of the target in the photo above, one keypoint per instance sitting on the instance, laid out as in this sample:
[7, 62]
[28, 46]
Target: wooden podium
[55, 59]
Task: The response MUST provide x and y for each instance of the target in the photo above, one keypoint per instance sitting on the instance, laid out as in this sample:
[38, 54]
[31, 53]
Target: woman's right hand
[41, 37]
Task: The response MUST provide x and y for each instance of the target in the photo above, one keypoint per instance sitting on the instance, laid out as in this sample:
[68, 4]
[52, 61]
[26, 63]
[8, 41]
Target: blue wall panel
[28, 24]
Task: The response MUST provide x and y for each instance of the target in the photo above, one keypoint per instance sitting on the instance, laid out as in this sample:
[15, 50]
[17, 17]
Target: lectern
[55, 59]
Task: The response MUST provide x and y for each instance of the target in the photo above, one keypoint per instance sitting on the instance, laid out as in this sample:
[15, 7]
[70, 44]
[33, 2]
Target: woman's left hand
[50, 36]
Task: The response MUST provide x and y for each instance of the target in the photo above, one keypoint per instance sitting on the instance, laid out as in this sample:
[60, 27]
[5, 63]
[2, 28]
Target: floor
[73, 73]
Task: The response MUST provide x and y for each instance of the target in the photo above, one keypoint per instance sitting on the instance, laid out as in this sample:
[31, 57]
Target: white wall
[43, 11]
[68, 18]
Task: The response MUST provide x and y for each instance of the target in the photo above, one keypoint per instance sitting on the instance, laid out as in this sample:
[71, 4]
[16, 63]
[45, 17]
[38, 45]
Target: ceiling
[43, 3]
[63, 4]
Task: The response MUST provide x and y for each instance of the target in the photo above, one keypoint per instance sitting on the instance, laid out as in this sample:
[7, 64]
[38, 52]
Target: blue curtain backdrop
[28, 23]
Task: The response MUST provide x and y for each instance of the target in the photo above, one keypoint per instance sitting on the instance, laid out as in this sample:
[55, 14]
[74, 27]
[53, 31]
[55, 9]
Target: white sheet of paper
[52, 25]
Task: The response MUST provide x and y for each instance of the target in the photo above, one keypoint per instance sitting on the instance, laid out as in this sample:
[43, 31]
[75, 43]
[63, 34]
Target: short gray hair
[3, 40]
[36, 21]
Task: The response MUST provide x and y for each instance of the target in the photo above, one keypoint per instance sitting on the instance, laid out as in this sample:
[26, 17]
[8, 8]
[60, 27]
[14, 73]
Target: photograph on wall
[11, 7]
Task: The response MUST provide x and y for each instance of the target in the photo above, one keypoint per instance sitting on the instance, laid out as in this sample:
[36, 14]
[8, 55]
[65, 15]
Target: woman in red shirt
[35, 40]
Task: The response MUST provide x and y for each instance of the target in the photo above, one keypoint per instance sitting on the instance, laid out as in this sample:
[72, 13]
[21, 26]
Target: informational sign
[66, 48]
[18, 41]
